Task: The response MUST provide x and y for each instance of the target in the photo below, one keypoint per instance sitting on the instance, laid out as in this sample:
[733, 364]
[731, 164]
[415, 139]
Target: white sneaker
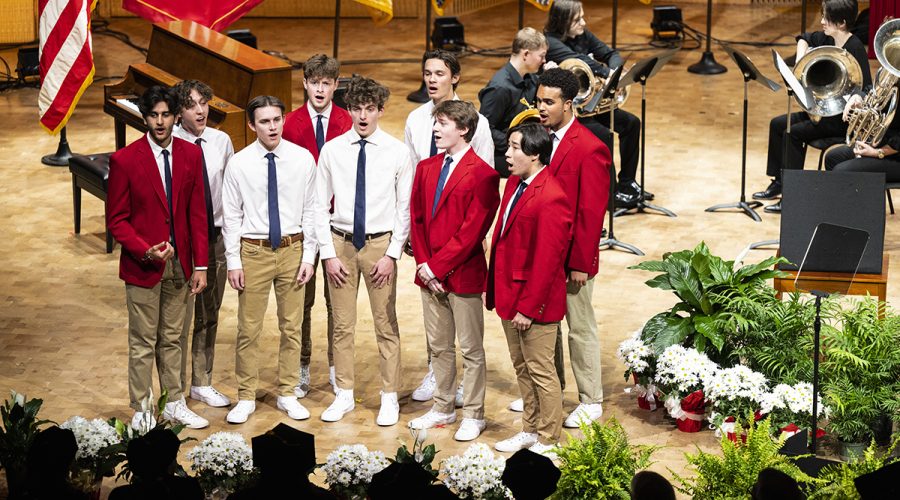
[544, 449]
[389, 413]
[519, 441]
[241, 412]
[425, 391]
[343, 404]
[432, 419]
[179, 413]
[517, 405]
[302, 388]
[292, 407]
[331, 379]
[209, 395]
[459, 403]
[585, 412]
[142, 422]
[469, 429]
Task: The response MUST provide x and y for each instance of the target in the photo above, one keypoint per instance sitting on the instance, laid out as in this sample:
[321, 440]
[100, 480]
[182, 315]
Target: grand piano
[182, 50]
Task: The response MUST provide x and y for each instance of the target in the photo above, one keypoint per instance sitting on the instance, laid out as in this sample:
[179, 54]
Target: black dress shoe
[771, 192]
[774, 208]
[626, 200]
[634, 188]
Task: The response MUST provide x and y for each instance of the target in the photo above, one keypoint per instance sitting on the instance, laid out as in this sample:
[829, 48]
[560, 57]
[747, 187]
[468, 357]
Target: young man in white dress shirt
[441, 73]
[193, 98]
[268, 199]
[369, 175]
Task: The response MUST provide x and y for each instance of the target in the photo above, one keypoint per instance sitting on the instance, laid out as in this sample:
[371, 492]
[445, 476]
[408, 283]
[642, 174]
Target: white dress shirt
[454, 161]
[245, 197]
[559, 135]
[389, 176]
[419, 130]
[509, 206]
[217, 150]
[313, 114]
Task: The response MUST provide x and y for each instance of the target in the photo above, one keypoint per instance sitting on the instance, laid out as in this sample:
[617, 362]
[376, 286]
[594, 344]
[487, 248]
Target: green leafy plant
[860, 368]
[839, 478]
[421, 454]
[732, 475]
[705, 285]
[601, 464]
[20, 426]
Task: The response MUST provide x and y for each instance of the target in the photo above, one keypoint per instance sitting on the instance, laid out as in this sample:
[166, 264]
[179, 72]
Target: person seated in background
[567, 38]
[865, 157]
[837, 17]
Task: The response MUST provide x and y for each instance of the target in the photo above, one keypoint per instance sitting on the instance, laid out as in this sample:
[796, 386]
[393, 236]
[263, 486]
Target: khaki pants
[584, 344]
[448, 316]
[308, 302]
[264, 267]
[531, 353]
[155, 320]
[383, 302]
[204, 311]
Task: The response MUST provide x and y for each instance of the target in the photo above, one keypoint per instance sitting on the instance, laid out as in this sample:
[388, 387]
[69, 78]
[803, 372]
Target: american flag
[67, 64]
[381, 11]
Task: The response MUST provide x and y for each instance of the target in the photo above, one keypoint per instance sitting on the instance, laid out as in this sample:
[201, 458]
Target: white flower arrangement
[223, 460]
[734, 392]
[635, 355]
[681, 371]
[476, 474]
[92, 460]
[791, 404]
[349, 469]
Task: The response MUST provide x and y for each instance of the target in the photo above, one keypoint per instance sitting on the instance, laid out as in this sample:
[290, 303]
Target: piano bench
[90, 173]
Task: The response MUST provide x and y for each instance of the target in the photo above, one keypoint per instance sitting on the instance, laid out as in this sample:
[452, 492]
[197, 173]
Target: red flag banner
[381, 11]
[66, 60]
[214, 14]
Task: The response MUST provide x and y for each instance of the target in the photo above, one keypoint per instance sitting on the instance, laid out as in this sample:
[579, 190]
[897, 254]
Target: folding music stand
[642, 71]
[832, 248]
[749, 71]
[609, 91]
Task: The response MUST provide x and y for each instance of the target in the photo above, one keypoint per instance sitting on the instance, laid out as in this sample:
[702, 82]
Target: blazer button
[167, 221]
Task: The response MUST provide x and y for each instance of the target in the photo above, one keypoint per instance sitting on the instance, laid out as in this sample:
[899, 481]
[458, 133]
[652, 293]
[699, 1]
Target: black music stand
[749, 71]
[707, 64]
[642, 71]
[609, 91]
[832, 248]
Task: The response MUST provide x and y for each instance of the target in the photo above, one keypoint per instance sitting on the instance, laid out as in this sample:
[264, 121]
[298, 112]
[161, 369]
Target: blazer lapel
[565, 145]
[459, 173]
[527, 194]
[148, 163]
[178, 172]
[309, 131]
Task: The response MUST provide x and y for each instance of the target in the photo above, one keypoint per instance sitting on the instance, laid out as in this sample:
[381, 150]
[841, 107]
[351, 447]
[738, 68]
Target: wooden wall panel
[19, 21]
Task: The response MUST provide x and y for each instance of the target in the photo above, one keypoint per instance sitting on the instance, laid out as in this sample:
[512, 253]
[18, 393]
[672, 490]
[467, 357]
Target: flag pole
[62, 155]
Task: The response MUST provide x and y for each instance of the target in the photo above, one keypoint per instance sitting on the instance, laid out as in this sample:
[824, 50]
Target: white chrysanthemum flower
[91, 436]
[222, 454]
[476, 474]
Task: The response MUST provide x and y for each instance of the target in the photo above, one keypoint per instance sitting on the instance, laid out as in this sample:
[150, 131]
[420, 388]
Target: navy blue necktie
[168, 175]
[433, 145]
[512, 204]
[320, 133]
[207, 194]
[359, 204]
[274, 216]
[442, 180]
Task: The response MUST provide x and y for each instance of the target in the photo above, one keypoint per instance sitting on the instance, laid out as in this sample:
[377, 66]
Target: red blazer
[451, 241]
[137, 213]
[581, 165]
[300, 129]
[527, 272]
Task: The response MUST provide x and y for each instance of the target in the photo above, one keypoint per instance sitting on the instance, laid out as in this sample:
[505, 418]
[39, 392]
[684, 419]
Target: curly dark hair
[183, 90]
[362, 90]
[561, 79]
[155, 95]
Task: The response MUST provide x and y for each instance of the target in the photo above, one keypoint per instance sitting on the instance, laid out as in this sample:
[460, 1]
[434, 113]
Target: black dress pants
[803, 130]
[842, 159]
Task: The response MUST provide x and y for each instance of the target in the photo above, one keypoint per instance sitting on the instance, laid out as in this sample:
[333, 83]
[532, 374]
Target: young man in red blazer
[527, 282]
[156, 209]
[454, 199]
[310, 126]
[580, 162]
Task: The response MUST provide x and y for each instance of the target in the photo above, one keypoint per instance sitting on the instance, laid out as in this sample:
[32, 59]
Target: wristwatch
[880, 154]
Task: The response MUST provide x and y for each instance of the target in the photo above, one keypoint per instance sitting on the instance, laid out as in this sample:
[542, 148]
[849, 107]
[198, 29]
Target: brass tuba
[869, 121]
[829, 73]
[587, 101]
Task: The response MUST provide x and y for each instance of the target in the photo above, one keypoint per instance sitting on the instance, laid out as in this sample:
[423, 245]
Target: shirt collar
[458, 156]
[565, 128]
[514, 75]
[374, 138]
[313, 113]
[188, 135]
[157, 150]
[430, 104]
[261, 150]
[527, 181]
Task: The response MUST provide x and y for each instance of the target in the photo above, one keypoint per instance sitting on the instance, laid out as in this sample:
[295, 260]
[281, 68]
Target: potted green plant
[20, 426]
[733, 474]
[601, 464]
[705, 285]
[839, 479]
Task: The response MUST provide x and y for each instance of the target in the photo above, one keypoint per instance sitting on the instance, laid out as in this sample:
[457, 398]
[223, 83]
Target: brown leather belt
[349, 236]
[285, 240]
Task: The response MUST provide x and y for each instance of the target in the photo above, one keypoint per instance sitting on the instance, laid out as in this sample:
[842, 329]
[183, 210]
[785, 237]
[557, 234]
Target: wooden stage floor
[63, 319]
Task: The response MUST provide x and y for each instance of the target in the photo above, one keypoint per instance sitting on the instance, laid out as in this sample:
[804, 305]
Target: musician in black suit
[568, 38]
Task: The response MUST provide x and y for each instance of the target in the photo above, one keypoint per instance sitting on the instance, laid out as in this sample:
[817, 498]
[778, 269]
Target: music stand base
[744, 206]
[764, 243]
[420, 96]
[707, 65]
[641, 207]
[613, 243]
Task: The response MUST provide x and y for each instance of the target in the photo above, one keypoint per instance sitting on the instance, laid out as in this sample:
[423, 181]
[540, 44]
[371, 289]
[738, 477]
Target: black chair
[91, 173]
[823, 145]
[887, 190]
